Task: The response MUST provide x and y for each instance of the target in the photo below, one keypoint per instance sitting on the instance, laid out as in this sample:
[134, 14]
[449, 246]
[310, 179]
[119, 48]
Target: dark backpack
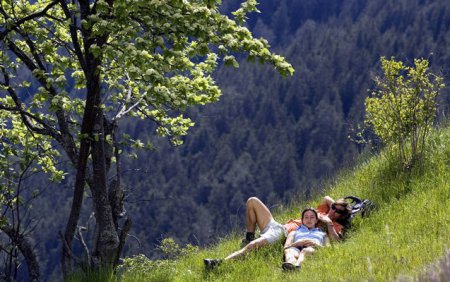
[357, 206]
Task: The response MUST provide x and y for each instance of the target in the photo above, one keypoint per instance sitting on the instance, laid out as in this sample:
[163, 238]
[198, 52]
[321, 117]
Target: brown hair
[343, 203]
[310, 209]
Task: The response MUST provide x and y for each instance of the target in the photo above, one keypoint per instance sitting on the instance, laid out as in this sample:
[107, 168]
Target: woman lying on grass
[258, 214]
[303, 240]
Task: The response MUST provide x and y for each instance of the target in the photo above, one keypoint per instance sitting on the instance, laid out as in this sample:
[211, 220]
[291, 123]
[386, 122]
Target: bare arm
[305, 243]
[326, 242]
[334, 236]
[332, 232]
[302, 243]
[328, 200]
[289, 240]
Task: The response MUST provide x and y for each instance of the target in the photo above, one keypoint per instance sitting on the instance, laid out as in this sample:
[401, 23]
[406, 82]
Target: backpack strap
[367, 207]
[356, 204]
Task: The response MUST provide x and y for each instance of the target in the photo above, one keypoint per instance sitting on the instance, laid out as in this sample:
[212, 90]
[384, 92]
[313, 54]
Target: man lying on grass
[257, 213]
[302, 241]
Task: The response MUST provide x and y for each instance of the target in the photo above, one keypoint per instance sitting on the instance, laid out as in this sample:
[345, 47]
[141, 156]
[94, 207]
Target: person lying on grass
[302, 241]
[258, 214]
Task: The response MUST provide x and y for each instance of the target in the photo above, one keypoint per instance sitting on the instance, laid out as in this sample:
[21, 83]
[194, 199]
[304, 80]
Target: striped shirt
[315, 234]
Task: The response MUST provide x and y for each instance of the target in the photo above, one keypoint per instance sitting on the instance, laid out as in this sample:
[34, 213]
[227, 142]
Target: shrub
[402, 108]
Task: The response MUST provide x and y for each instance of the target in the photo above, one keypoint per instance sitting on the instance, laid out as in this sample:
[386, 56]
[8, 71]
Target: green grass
[407, 232]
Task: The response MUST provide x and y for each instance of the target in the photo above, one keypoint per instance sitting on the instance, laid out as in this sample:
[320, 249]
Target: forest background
[271, 137]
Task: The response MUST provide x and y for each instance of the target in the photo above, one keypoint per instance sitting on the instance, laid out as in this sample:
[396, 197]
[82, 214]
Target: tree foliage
[16, 197]
[22, 158]
[295, 130]
[402, 109]
[70, 70]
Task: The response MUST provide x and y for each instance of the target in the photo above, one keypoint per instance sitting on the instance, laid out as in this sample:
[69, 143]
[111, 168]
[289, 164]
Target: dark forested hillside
[276, 138]
[272, 137]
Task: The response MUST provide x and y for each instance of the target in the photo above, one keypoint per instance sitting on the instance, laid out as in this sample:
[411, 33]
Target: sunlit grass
[405, 234]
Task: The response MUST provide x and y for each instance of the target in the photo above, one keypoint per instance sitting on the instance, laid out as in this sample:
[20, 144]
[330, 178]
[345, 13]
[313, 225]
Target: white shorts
[295, 250]
[273, 232]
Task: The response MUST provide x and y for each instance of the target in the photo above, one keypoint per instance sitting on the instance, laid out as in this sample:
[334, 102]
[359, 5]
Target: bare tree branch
[68, 249]
[74, 35]
[26, 116]
[25, 249]
[86, 249]
[66, 139]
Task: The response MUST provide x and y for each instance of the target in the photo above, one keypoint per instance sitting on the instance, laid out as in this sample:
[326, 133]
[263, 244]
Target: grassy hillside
[408, 232]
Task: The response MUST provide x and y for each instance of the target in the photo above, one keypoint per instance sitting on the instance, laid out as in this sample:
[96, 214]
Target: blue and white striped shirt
[304, 232]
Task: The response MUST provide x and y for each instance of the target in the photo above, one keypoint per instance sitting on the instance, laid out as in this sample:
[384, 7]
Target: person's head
[310, 217]
[339, 209]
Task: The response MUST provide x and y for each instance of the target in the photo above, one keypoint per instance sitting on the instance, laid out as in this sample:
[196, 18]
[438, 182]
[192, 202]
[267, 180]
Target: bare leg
[303, 253]
[249, 247]
[256, 213]
[291, 255]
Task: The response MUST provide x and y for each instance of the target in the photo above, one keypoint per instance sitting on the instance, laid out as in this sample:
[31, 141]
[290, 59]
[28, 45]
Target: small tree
[70, 70]
[22, 158]
[402, 109]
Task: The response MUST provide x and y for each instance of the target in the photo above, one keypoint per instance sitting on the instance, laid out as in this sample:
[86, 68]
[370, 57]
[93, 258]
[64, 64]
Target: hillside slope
[274, 137]
[407, 232]
[269, 137]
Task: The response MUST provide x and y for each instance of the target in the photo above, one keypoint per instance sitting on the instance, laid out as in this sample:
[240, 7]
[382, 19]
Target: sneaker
[245, 242]
[210, 264]
[289, 266]
[249, 236]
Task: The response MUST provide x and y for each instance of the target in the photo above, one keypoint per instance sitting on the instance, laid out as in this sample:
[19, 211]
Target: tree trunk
[107, 240]
[77, 201]
[26, 250]
[87, 127]
[88, 145]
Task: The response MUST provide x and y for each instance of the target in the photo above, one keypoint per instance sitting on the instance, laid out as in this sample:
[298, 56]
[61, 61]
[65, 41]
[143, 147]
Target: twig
[86, 249]
[68, 250]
